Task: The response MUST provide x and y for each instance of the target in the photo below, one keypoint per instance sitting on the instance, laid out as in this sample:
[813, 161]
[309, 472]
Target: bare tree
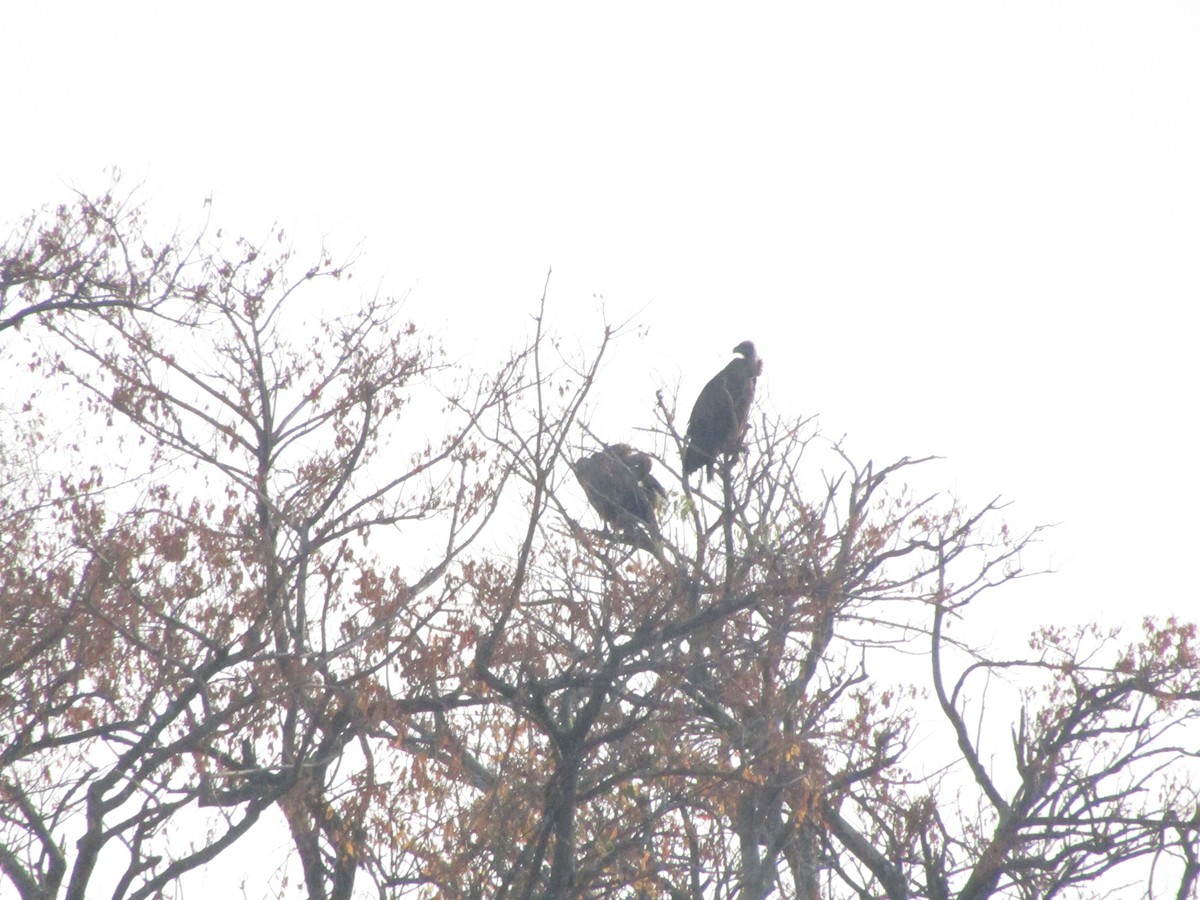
[218, 634]
[279, 563]
[89, 255]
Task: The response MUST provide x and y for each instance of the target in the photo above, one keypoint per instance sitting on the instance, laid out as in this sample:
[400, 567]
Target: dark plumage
[619, 485]
[719, 417]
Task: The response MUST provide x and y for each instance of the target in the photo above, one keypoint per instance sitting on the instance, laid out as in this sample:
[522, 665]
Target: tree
[215, 633]
[247, 588]
[88, 256]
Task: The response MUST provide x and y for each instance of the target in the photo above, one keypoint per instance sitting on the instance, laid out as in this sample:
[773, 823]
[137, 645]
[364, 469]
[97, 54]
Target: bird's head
[746, 349]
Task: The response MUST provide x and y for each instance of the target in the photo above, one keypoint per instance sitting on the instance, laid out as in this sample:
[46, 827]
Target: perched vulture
[719, 417]
[619, 485]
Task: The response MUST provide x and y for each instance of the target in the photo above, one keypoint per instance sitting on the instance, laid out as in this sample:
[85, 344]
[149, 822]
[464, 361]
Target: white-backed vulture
[718, 421]
[619, 485]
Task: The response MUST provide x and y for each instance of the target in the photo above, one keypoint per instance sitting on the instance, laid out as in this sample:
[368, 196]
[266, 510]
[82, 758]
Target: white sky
[970, 229]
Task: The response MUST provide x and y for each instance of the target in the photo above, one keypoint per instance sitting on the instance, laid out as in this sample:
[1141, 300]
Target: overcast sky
[969, 229]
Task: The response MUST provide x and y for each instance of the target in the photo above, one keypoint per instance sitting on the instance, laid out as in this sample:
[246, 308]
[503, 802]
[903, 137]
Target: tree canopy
[270, 563]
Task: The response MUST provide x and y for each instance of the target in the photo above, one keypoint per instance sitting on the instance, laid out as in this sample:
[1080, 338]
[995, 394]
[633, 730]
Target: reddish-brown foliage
[275, 567]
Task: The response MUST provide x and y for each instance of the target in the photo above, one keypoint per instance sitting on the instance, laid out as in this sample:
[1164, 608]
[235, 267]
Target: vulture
[619, 485]
[719, 417]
